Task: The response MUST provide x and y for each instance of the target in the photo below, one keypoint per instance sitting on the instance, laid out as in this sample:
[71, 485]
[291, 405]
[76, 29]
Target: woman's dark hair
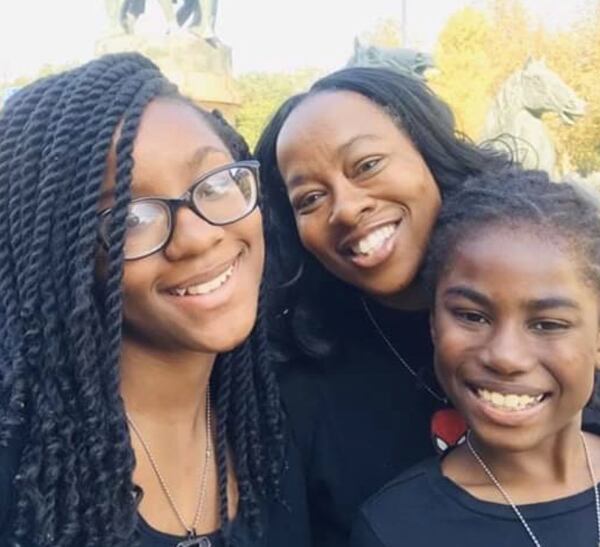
[525, 201]
[60, 334]
[312, 293]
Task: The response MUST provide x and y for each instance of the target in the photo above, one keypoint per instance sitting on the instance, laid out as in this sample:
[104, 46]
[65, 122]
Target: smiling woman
[354, 173]
[137, 403]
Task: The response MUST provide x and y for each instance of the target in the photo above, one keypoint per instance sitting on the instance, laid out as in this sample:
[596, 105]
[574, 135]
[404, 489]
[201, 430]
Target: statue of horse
[514, 122]
[407, 61]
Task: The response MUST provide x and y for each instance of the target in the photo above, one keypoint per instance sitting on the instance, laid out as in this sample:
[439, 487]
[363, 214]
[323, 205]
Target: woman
[138, 406]
[354, 172]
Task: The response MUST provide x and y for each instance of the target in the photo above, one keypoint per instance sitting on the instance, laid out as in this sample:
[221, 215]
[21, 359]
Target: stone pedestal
[202, 71]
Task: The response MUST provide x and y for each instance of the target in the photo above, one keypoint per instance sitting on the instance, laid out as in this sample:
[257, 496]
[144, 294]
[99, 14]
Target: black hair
[521, 200]
[60, 335]
[310, 292]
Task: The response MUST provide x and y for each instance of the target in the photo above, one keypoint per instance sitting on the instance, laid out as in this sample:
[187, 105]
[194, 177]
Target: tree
[262, 93]
[464, 73]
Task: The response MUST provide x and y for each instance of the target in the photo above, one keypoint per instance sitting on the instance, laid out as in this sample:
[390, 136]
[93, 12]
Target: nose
[192, 235]
[508, 352]
[350, 203]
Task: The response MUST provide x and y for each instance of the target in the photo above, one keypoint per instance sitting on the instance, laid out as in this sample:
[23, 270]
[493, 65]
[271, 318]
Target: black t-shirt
[423, 508]
[360, 417]
[284, 523]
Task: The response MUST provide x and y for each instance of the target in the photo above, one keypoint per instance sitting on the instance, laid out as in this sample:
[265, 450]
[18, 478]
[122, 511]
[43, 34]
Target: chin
[223, 340]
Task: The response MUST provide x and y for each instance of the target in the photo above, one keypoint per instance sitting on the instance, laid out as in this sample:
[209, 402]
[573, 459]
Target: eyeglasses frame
[174, 204]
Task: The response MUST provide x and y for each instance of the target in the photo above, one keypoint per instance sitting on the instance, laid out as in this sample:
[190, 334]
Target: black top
[423, 508]
[285, 523]
[359, 416]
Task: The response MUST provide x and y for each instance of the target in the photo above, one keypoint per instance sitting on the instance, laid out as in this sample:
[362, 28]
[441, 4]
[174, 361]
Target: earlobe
[432, 325]
[598, 351]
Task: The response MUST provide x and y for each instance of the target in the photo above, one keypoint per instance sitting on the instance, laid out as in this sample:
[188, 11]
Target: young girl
[515, 268]
[137, 406]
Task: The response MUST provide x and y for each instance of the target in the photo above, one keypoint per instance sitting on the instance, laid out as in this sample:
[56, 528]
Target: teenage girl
[137, 405]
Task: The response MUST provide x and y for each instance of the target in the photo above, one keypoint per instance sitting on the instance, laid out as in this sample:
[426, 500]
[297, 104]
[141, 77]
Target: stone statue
[197, 15]
[514, 122]
[407, 61]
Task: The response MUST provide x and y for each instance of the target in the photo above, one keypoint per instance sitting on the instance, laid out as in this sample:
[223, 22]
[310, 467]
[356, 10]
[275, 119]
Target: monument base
[200, 70]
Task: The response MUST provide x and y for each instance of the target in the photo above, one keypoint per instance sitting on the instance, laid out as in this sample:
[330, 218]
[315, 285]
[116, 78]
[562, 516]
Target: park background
[280, 46]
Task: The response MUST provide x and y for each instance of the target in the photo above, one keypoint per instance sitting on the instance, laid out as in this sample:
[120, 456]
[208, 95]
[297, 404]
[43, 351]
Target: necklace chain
[190, 530]
[398, 356]
[512, 504]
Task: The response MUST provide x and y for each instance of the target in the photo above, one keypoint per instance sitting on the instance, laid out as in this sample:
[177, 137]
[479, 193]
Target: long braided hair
[60, 334]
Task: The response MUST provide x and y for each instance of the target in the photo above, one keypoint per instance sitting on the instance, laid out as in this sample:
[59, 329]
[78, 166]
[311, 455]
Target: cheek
[312, 236]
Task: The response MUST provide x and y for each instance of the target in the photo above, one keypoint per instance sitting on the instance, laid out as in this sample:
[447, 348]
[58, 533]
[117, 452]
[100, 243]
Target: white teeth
[374, 240]
[209, 286]
[509, 401]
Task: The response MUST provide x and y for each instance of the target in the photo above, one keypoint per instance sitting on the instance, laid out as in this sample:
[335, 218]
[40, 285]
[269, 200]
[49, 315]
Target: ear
[432, 330]
[598, 350]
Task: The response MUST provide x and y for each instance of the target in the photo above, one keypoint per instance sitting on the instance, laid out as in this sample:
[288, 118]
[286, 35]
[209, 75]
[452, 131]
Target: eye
[308, 202]
[470, 316]
[212, 189]
[549, 325]
[368, 165]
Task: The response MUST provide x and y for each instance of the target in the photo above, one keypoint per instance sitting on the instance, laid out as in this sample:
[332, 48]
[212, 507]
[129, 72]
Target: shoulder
[287, 520]
[398, 508]
[410, 488]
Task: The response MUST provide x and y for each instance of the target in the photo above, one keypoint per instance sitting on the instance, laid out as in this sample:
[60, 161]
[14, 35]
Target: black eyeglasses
[222, 196]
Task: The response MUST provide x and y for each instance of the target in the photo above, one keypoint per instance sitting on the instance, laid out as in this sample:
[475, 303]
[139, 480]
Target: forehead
[517, 263]
[332, 118]
[169, 125]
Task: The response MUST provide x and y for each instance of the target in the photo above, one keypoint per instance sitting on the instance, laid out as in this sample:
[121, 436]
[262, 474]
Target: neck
[162, 385]
[559, 460]
[412, 298]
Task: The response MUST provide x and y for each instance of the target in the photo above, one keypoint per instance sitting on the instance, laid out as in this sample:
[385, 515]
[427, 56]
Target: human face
[363, 198]
[516, 334]
[200, 292]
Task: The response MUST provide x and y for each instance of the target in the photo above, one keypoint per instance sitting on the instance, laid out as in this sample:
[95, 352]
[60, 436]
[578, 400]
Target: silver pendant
[195, 542]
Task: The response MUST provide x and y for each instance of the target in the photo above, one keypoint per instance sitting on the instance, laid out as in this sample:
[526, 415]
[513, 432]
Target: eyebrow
[343, 148]
[469, 294]
[201, 153]
[539, 304]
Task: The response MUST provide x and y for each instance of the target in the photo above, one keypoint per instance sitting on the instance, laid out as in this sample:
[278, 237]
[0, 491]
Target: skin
[348, 171]
[538, 333]
[170, 342]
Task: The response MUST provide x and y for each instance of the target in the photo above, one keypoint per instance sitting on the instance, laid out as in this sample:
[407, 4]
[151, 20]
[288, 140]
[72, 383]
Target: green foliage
[262, 93]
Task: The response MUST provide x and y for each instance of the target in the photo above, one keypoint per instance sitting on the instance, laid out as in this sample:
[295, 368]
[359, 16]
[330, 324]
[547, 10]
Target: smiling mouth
[509, 402]
[206, 287]
[375, 240]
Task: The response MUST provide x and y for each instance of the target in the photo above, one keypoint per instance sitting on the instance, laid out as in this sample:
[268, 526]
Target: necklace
[512, 504]
[192, 539]
[396, 353]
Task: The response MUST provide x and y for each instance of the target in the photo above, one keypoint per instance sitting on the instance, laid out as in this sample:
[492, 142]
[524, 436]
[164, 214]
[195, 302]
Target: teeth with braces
[374, 241]
[509, 401]
[208, 287]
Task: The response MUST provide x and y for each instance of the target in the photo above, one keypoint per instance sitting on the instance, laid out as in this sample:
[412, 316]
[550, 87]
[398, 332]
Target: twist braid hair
[522, 199]
[60, 332]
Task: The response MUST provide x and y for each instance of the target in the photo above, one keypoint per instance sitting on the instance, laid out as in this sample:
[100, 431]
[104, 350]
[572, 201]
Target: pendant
[195, 542]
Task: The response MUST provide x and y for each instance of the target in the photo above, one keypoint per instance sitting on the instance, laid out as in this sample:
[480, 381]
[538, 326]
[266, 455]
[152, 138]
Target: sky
[265, 35]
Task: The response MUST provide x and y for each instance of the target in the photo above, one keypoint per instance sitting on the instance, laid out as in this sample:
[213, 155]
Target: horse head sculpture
[407, 61]
[514, 122]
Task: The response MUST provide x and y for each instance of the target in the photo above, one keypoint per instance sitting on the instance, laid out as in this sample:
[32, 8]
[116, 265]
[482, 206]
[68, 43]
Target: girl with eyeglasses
[137, 404]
